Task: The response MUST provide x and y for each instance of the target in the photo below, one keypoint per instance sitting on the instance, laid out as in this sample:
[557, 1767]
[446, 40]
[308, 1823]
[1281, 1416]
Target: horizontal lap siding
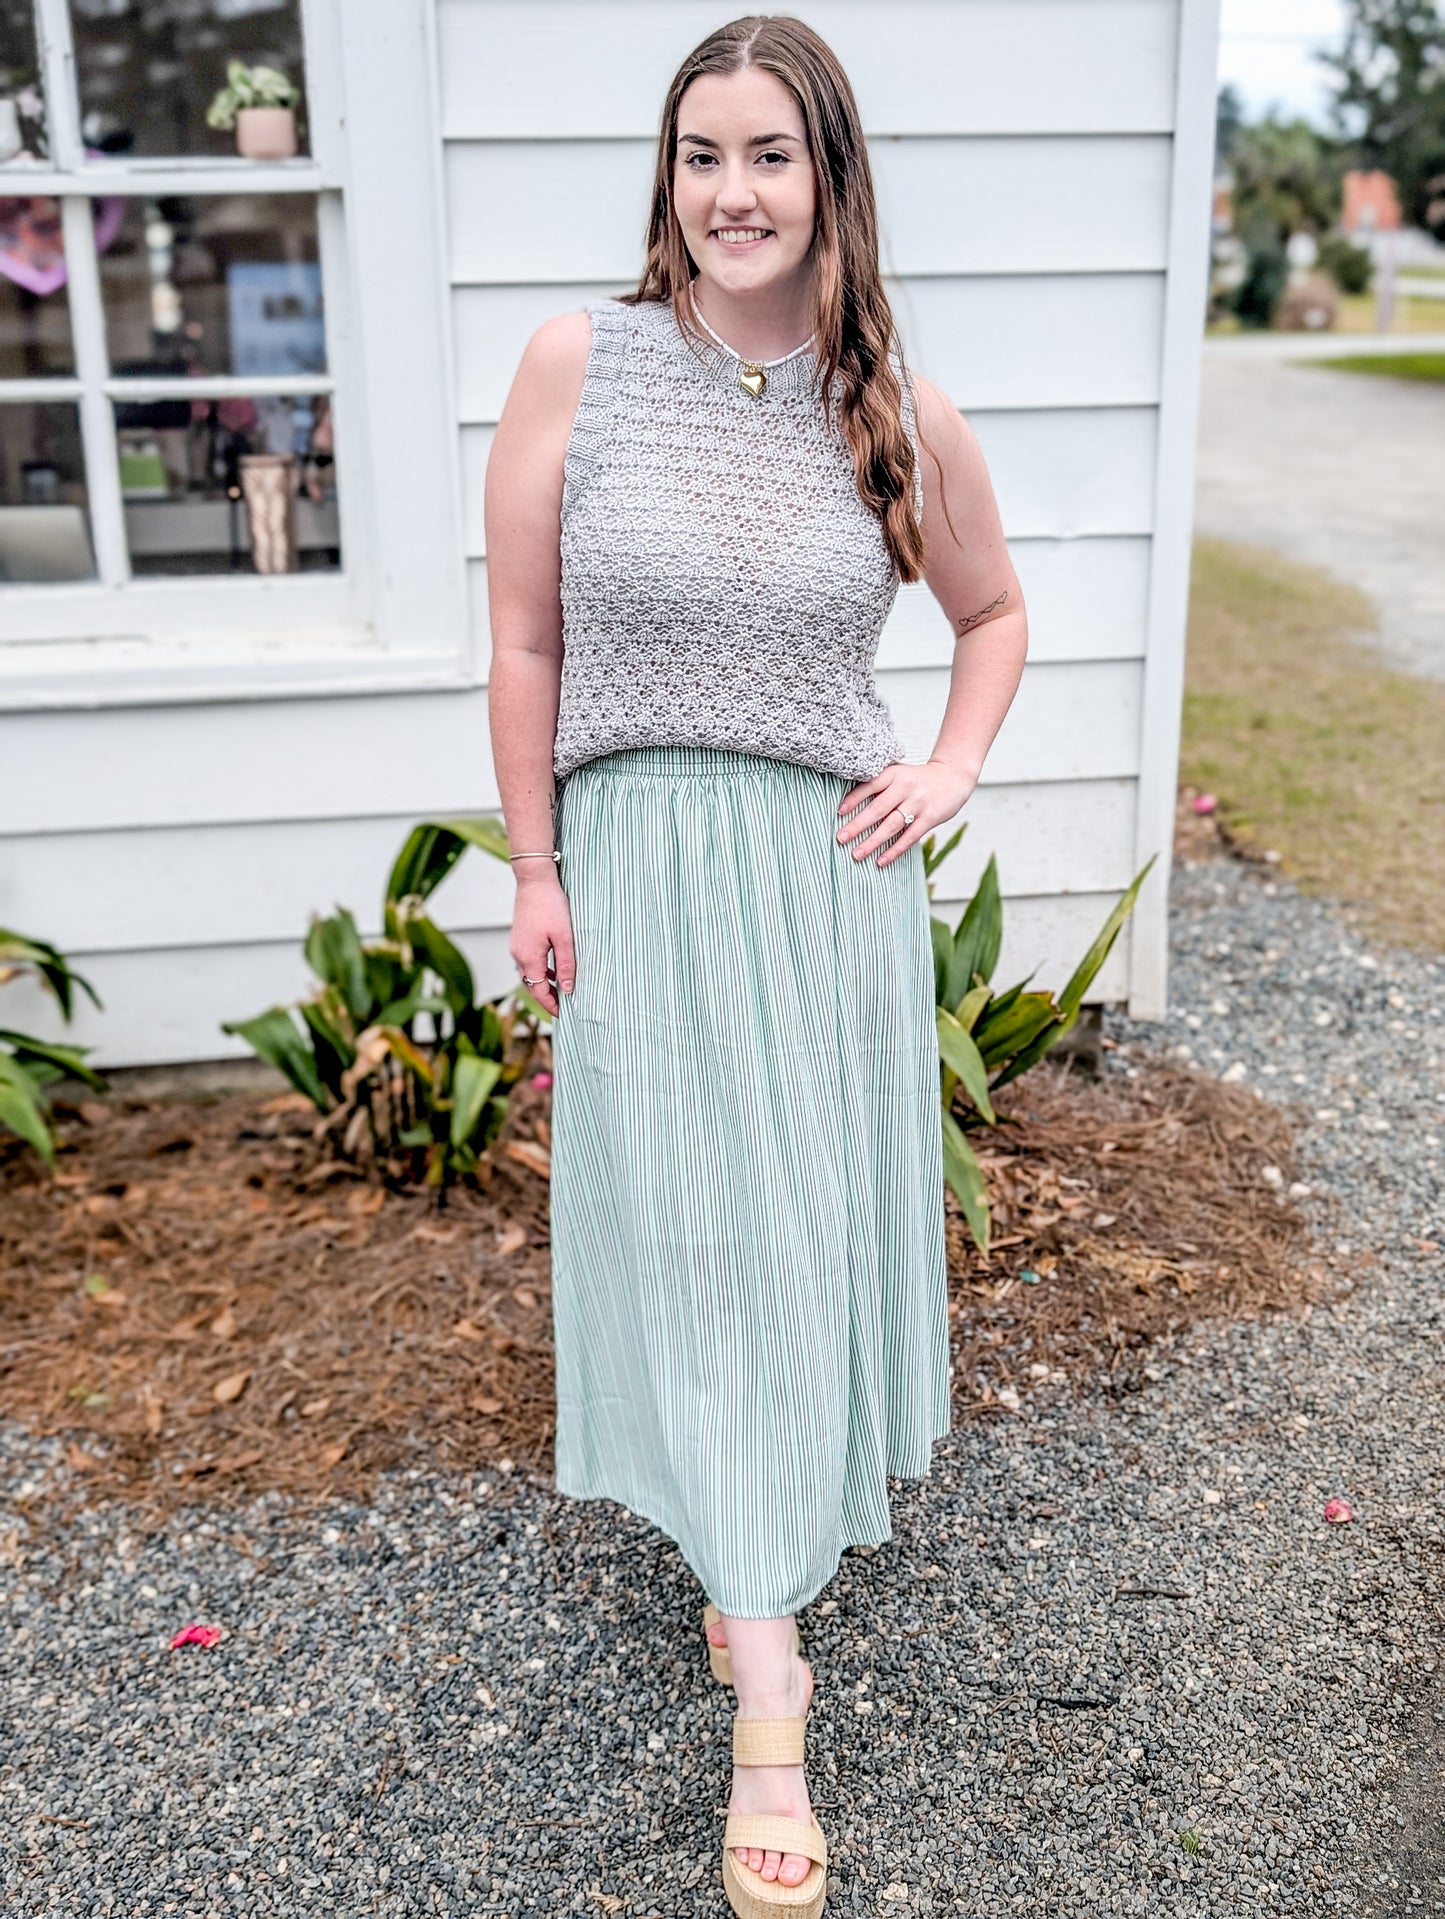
[166, 1005]
[1022, 150]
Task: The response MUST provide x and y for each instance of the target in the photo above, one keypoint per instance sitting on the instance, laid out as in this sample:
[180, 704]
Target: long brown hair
[852, 322]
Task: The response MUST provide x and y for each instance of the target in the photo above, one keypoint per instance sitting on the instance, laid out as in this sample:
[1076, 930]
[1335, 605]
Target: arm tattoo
[973, 619]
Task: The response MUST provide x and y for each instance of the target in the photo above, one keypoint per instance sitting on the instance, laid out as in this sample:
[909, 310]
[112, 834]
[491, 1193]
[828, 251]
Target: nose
[736, 194]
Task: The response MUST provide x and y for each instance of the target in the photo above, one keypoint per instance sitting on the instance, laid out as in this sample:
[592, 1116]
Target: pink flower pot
[266, 133]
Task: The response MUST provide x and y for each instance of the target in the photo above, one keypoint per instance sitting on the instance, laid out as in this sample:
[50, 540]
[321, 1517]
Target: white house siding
[1043, 172]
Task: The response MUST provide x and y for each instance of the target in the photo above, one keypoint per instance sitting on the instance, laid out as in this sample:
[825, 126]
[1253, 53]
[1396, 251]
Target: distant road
[1345, 471]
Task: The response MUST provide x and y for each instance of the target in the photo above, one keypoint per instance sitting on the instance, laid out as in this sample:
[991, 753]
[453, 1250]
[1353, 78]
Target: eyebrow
[758, 139]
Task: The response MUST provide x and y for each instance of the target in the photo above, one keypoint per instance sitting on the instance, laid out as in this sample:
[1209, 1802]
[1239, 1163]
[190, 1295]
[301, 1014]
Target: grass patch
[1313, 747]
[1395, 366]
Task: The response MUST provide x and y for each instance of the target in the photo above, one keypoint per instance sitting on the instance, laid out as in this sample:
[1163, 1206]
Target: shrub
[983, 1033]
[1350, 267]
[28, 1067]
[423, 1105]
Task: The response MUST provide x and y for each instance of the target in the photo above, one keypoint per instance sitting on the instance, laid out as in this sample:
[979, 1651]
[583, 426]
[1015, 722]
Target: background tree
[1287, 180]
[1228, 119]
[1389, 79]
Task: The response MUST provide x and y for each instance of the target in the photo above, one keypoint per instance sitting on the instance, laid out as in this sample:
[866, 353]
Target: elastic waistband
[711, 761]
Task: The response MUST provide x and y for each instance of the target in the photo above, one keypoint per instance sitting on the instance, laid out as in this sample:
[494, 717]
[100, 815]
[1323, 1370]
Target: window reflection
[229, 283]
[22, 103]
[44, 528]
[229, 485]
[148, 69]
[34, 302]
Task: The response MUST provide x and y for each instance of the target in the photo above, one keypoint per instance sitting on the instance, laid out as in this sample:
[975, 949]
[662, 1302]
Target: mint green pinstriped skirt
[749, 1287]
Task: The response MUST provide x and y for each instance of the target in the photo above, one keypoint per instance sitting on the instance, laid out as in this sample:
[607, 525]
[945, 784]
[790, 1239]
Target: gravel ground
[473, 1698]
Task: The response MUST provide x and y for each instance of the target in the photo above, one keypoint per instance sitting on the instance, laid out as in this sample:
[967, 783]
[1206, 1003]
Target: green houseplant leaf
[275, 1037]
[964, 1176]
[958, 1052]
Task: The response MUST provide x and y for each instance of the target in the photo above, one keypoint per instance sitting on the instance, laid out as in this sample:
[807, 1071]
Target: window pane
[229, 283]
[22, 105]
[229, 486]
[149, 69]
[34, 302]
[44, 526]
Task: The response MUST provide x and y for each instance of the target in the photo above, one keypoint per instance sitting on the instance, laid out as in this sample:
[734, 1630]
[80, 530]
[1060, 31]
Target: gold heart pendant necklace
[752, 374]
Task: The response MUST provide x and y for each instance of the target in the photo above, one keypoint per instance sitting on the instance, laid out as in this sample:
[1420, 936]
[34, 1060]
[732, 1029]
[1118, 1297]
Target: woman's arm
[970, 574]
[524, 564]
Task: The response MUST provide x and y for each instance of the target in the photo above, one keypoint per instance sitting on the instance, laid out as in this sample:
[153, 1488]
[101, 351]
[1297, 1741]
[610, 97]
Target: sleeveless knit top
[722, 583]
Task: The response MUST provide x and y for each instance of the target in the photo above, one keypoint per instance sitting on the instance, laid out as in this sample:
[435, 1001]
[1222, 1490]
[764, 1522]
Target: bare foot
[771, 1685]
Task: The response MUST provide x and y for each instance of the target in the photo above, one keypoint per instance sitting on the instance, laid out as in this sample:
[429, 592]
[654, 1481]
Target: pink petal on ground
[194, 1635]
[542, 1081]
[1337, 1511]
[1206, 803]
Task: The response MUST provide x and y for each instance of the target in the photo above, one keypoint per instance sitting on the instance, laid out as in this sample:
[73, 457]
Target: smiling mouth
[740, 236]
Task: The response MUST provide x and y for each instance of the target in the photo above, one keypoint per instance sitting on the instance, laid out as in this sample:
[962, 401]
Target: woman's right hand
[542, 922]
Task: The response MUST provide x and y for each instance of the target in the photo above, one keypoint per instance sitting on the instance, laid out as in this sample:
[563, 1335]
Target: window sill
[121, 671]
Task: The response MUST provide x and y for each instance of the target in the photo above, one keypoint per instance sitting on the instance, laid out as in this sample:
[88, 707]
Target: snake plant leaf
[334, 954]
[17, 949]
[275, 1037]
[64, 1059]
[964, 1175]
[1082, 977]
[955, 1045]
[20, 1109]
[471, 1088]
[979, 935]
[433, 848]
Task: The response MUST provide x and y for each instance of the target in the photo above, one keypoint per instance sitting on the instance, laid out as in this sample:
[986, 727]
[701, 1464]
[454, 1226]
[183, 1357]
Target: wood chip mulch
[202, 1306]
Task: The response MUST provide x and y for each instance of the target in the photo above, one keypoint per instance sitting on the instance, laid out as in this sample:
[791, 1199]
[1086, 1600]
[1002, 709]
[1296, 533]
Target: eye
[697, 154]
[774, 154]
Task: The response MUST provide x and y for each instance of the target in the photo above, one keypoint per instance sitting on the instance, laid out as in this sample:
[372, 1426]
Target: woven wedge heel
[772, 1742]
[719, 1658]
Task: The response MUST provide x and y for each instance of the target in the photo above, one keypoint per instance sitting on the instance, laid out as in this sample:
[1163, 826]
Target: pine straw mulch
[203, 1306]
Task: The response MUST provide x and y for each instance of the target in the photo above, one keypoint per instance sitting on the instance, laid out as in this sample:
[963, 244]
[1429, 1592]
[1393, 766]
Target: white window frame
[395, 613]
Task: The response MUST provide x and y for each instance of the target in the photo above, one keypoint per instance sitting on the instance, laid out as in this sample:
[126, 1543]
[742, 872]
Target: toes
[770, 1865]
[794, 1869]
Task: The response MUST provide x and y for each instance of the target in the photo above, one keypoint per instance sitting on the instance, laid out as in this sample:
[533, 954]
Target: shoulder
[940, 423]
[557, 351]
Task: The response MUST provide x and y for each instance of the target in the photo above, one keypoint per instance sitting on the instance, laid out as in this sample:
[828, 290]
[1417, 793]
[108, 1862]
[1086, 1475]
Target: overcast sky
[1265, 48]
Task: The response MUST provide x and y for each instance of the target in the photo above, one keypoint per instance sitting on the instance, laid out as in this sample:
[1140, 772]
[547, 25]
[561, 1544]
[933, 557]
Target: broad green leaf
[1082, 978]
[409, 1053]
[964, 1175]
[331, 1047]
[1001, 1035]
[472, 1083]
[334, 954]
[979, 935]
[69, 1059]
[20, 1112]
[942, 937]
[970, 1006]
[447, 962]
[1049, 1035]
[934, 856]
[16, 949]
[275, 1037]
[959, 1053]
[432, 849]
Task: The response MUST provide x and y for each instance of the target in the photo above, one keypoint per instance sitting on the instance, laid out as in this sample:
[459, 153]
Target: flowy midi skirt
[749, 1285]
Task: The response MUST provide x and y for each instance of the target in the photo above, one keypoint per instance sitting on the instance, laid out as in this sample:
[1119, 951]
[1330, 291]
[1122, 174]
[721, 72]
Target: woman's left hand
[932, 793]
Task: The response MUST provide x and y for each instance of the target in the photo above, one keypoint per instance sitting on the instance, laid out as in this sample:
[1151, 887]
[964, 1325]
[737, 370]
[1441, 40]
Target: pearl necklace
[752, 374]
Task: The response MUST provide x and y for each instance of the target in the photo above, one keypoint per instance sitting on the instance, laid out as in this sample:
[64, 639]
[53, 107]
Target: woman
[700, 503]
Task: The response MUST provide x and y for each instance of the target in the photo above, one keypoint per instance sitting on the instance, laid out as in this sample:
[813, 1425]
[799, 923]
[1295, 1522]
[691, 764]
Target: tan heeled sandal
[772, 1742]
[719, 1658]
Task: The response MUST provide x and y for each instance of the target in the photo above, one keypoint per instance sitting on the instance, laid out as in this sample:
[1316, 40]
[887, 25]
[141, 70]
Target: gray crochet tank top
[722, 582]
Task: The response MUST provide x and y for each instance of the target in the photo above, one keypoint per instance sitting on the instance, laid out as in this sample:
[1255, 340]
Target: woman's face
[743, 182]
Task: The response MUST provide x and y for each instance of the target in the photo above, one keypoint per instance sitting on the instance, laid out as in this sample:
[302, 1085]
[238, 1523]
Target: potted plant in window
[260, 103]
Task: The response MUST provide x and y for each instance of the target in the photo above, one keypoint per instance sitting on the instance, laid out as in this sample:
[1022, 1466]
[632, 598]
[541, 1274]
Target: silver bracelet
[536, 856]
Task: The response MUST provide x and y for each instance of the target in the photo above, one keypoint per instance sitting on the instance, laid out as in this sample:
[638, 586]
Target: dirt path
[1342, 470]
